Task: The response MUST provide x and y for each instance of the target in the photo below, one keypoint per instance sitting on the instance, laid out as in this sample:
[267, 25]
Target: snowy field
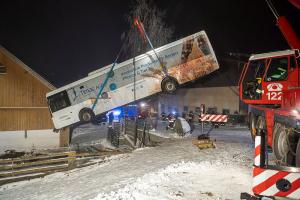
[175, 169]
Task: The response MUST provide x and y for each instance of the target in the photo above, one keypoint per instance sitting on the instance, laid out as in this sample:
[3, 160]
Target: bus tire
[280, 145]
[298, 154]
[252, 125]
[86, 115]
[169, 85]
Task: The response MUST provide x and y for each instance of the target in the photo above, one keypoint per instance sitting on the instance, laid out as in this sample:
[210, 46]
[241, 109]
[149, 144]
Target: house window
[185, 108]
[225, 111]
[162, 107]
[169, 109]
[212, 110]
[2, 69]
[197, 110]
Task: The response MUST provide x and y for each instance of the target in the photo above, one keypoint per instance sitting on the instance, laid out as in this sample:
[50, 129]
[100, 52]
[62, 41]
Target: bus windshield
[58, 101]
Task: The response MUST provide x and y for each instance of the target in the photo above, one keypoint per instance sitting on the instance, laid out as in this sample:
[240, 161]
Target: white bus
[185, 60]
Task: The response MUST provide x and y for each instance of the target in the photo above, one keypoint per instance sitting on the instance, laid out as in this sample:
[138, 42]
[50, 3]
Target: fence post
[135, 131]
[71, 159]
[202, 111]
[116, 134]
[148, 132]
[125, 126]
[109, 133]
[143, 143]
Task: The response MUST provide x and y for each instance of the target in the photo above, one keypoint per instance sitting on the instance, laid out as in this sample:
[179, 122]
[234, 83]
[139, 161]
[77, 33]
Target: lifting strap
[108, 75]
[144, 36]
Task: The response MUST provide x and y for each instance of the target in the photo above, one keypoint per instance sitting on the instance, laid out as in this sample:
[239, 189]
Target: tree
[155, 27]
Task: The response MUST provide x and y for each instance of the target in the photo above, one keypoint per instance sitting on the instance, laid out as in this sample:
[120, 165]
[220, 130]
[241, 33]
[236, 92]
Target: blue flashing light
[116, 112]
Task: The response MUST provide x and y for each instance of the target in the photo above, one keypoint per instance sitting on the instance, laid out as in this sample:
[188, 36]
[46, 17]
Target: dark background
[65, 40]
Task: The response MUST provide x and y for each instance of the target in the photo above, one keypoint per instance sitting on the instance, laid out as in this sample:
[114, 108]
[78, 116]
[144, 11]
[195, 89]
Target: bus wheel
[281, 146]
[252, 125]
[169, 85]
[298, 154]
[86, 115]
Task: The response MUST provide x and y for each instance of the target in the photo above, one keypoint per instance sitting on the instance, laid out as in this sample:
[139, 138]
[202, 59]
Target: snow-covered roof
[28, 69]
[271, 54]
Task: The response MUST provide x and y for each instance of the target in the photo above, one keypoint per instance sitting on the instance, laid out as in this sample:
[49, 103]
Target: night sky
[65, 40]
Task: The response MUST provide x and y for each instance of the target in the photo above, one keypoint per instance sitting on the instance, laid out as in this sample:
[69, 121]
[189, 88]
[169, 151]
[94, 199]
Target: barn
[25, 120]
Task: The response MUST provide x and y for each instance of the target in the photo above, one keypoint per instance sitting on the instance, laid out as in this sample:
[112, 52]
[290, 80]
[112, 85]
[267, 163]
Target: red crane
[270, 85]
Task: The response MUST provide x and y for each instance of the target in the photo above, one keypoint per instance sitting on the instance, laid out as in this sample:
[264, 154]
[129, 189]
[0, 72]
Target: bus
[184, 60]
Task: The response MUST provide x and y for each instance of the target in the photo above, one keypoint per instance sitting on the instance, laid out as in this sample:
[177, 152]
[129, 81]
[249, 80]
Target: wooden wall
[23, 103]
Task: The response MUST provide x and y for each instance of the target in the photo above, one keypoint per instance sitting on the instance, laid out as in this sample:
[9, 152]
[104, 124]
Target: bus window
[59, 101]
[278, 69]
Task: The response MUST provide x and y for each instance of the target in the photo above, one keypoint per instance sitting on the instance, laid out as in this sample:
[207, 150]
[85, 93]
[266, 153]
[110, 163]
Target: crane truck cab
[270, 85]
[266, 75]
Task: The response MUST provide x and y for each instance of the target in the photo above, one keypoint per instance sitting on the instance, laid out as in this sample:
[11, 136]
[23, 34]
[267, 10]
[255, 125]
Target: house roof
[26, 68]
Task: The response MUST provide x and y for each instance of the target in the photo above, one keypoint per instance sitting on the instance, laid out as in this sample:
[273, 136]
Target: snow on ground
[185, 180]
[174, 170]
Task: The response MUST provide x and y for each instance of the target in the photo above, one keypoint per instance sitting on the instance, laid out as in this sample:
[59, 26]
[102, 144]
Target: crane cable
[143, 33]
[272, 8]
[109, 74]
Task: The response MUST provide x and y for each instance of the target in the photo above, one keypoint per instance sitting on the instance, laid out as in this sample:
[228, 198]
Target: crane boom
[288, 32]
[285, 28]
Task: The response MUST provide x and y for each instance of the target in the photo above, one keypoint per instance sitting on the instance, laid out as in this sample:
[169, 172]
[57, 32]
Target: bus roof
[101, 69]
[271, 54]
[106, 69]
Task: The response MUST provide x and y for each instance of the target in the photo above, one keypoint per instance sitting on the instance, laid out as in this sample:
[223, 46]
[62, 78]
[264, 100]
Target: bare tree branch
[155, 27]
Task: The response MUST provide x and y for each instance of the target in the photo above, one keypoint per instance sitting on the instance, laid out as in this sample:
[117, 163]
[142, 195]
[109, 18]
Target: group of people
[189, 117]
[171, 117]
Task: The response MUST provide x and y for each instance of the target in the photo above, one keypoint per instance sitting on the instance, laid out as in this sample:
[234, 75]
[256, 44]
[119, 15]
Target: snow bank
[185, 180]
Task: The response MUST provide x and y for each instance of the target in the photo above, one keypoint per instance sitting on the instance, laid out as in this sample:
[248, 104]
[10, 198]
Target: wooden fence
[137, 132]
[18, 169]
